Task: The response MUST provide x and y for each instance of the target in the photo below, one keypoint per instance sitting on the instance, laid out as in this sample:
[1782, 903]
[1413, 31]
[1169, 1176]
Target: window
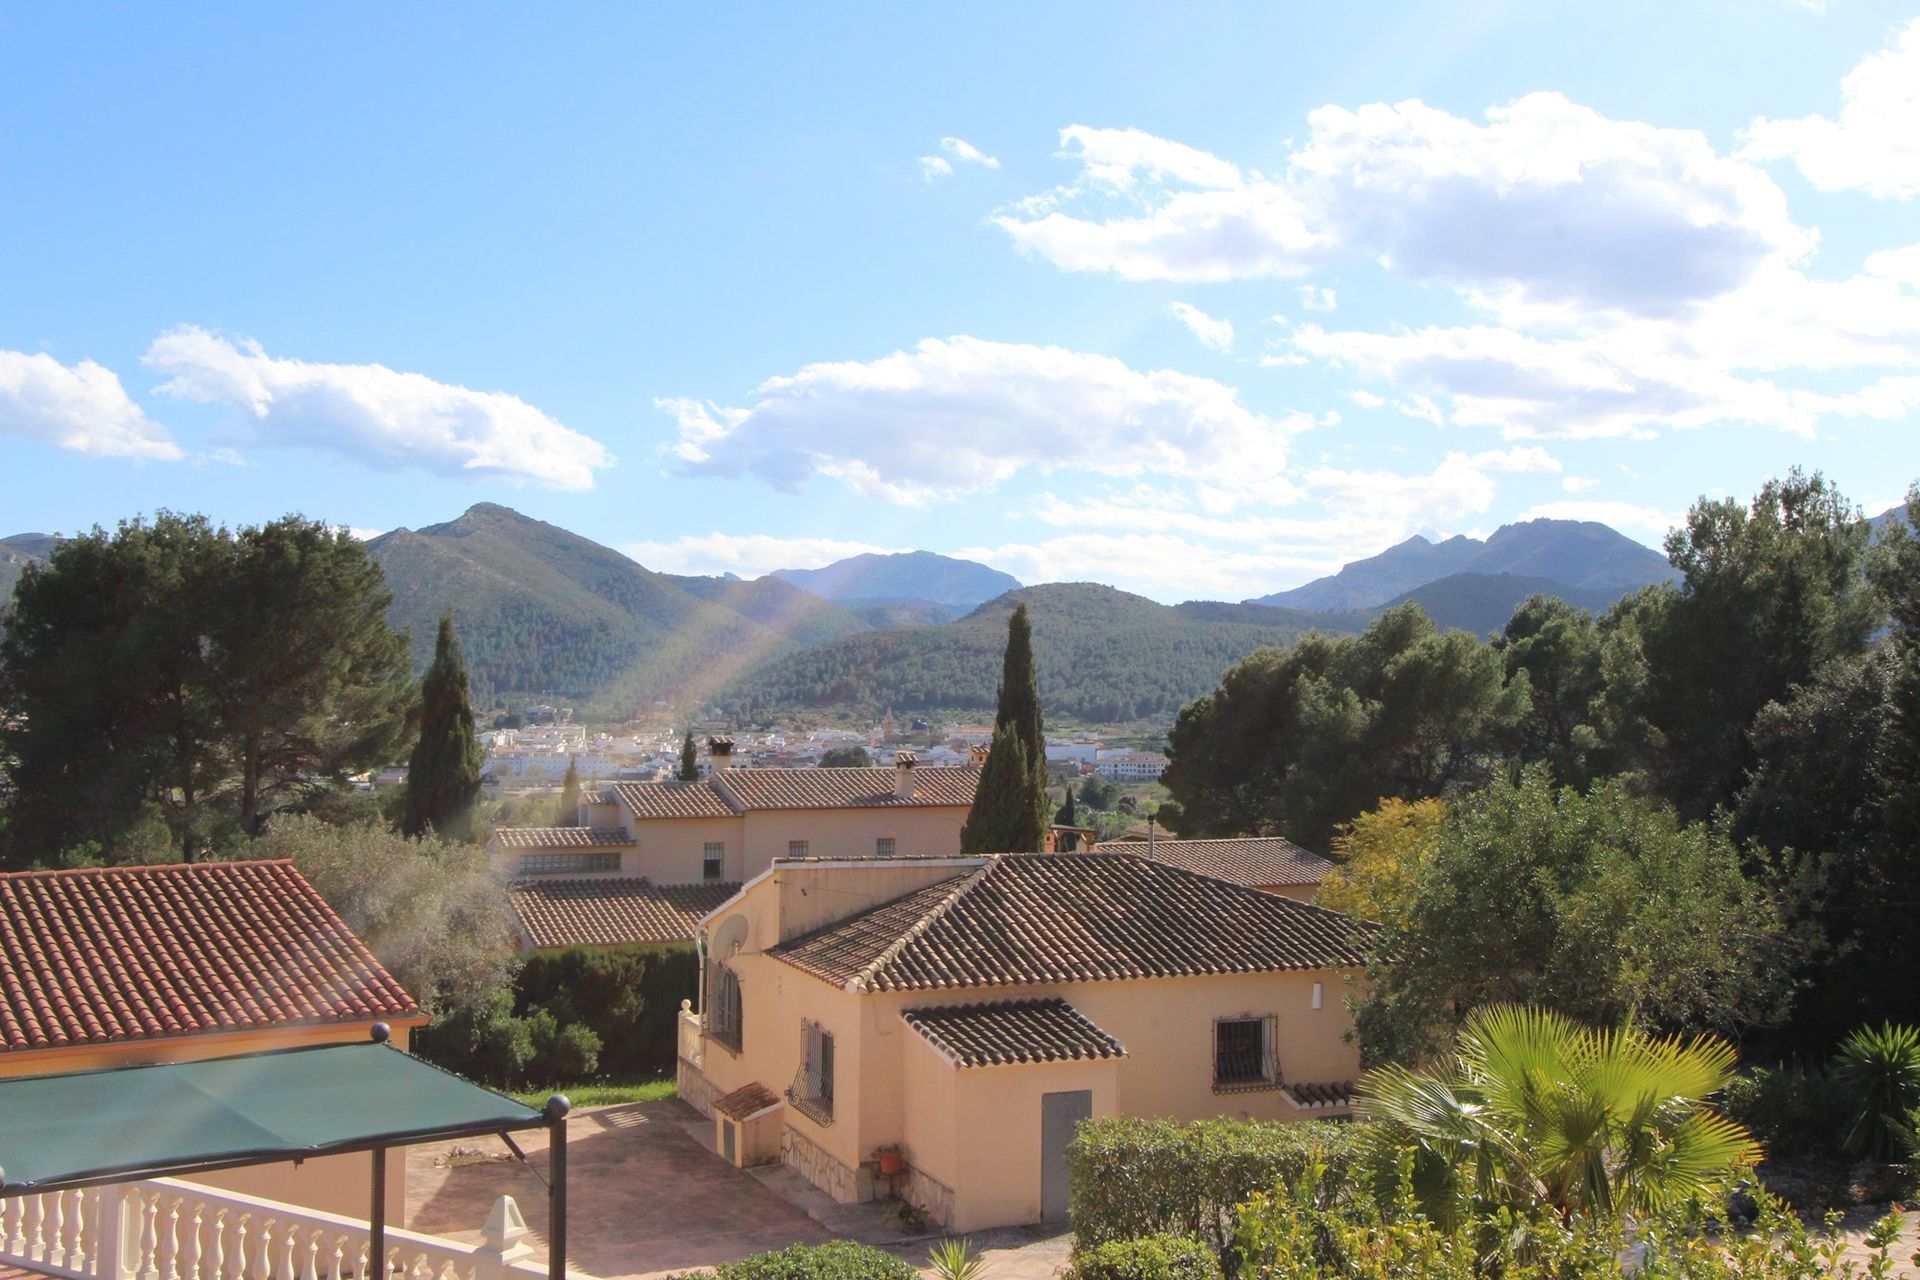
[723, 1007]
[567, 864]
[796, 848]
[1244, 1055]
[883, 847]
[713, 865]
[812, 1089]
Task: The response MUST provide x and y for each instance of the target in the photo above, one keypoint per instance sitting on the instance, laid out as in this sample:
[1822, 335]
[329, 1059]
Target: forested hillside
[1102, 655]
[1483, 602]
[907, 575]
[16, 553]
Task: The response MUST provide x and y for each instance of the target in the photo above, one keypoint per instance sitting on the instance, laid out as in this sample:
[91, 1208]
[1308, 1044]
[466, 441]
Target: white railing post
[117, 1232]
[503, 1241]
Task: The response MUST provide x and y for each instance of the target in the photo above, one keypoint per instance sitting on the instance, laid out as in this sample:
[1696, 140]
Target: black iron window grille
[1245, 1055]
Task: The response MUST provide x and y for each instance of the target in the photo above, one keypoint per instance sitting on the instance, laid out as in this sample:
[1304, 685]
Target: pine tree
[1009, 812]
[570, 795]
[689, 760]
[1069, 816]
[443, 777]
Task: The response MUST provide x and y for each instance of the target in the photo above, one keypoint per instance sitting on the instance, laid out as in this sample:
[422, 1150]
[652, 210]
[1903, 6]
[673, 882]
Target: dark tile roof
[1319, 1097]
[934, 786]
[673, 799]
[562, 837]
[1253, 861]
[1012, 1031]
[1023, 919]
[745, 1100]
[612, 910]
[110, 954]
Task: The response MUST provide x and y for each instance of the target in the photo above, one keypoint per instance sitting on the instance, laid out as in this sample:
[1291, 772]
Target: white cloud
[933, 168]
[1547, 203]
[1314, 297]
[747, 555]
[1875, 144]
[964, 151]
[1578, 484]
[80, 407]
[1163, 566]
[1214, 333]
[1902, 265]
[376, 415]
[1366, 399]
[1627, 517]
[957, 415]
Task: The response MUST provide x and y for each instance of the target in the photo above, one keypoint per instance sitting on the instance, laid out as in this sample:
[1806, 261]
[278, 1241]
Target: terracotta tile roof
[597, 797]
[1012, 1031]
[745, 1100]
[609, 911]
[1024, 919]
[1252, 861]
[562, 837]
[1319, 1097]
[933, 786]
[673, 799]
[111, 954]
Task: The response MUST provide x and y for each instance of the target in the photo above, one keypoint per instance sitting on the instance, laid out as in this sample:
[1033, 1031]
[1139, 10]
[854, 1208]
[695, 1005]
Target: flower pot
[891, 1162]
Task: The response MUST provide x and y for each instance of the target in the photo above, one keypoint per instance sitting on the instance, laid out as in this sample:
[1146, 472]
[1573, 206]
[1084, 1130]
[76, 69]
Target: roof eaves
[863, 980]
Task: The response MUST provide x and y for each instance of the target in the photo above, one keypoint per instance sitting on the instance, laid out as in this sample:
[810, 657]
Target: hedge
[836, 1260]
[1149, 1258]
[1134, 1178]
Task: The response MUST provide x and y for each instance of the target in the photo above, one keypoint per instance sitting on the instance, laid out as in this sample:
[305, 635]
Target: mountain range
[909, 576]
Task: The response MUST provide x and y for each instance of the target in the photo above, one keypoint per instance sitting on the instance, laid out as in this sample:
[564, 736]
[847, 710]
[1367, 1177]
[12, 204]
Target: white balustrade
[166, 1229]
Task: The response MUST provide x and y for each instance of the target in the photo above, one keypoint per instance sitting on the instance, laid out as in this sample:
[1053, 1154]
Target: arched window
[723, 1007]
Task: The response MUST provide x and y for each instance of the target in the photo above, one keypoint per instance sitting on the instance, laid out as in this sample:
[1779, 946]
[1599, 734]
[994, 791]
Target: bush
[1135, 1178]
[628, 997]
[1160, 1257]
[1794, 1113]
[838, 1260]
[1880, 1068]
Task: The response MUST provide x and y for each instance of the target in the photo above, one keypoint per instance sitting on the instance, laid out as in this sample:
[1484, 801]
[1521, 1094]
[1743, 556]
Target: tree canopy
[1009, 813]
[443, 774]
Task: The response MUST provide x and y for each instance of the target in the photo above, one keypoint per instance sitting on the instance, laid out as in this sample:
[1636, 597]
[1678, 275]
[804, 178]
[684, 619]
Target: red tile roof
[745, 1101]
[1319, 1097]
[562, 837]
[103, 955]
[1025, 919]
[673, 799]
[1252, 861]
[934, 786]
[1012, 1031]
[610, 911]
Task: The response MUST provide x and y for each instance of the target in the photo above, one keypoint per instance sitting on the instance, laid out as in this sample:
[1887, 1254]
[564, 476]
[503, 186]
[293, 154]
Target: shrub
[627, 997]
[1880, 1067]
[1794, 1113]
[1161, 1257]
[837, 1260]
[1134, 1178]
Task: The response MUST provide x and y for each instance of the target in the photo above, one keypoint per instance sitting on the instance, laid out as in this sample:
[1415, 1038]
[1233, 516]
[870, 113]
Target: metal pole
[557, 1108]
[377, 1218]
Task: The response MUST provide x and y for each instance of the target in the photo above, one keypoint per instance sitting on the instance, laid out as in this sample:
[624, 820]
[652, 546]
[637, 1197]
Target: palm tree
[1534, 1109]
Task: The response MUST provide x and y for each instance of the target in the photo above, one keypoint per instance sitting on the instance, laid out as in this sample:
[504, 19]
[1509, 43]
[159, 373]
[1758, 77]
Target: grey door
[1060, 1114]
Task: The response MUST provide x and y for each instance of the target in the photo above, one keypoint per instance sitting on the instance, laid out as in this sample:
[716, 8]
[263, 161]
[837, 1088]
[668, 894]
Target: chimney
[976, 755]
[903, 763]
[719, 755]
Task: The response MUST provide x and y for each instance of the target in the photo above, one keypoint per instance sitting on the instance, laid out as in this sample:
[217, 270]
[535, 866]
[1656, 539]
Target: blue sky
[1196, 300]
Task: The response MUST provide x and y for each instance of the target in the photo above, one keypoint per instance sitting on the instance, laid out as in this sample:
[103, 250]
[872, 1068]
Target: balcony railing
[171, 1230]
[689, 1034]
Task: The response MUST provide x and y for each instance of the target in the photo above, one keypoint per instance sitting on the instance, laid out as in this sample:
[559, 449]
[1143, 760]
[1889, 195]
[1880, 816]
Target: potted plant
[890, 1160]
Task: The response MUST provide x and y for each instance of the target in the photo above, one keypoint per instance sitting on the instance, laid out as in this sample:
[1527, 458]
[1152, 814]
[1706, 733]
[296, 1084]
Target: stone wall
[930, 1195]
[808, 1159]
[695, 1089]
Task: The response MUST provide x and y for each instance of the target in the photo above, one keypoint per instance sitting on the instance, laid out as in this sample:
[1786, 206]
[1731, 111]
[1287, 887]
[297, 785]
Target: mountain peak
[903, 576]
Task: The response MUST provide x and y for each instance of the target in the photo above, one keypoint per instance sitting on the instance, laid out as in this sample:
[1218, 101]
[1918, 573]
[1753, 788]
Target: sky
[1199, 301]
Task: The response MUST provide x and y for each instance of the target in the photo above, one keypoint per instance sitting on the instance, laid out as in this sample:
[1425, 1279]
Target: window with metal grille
[713, 865]
[1244, 1055]
[812, 1090]
[567, 864]
[883, 847]
[723, 1007]
[796, 848]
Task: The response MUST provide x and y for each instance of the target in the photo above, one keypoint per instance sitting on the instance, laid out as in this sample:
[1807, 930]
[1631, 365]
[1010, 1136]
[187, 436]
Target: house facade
[640, 844]
[123, 966]
[966, 1013]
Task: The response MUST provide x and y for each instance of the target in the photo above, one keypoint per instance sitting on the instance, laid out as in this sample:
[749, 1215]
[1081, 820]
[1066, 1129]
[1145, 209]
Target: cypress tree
[570, 795]
[443, 775]
[1069, 816]
[1009, 812]
[689, 760]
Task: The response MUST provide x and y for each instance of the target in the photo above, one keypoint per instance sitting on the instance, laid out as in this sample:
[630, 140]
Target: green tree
[177, 673]
[1299, 741]
[689, 760]
[1533, 1110]
[1378, 857]
[1009, 813]
[1880, 1066]
[443, 775]
[1772, 591]
[1601, 906]
[846, 758]
[569, 815]
[1069, 815]
[1560, 648]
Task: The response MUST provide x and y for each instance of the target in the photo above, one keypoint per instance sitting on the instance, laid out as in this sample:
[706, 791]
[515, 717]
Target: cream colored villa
[650, 858]
[957, 1017]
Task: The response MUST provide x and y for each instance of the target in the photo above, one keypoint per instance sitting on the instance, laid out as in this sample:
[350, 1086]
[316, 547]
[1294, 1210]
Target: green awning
[190, 1117]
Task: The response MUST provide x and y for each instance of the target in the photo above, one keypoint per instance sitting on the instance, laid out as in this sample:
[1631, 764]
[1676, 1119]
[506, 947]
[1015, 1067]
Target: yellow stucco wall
[1298, 892]
[926, 831]
[333, 1184]
[997, 1116]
